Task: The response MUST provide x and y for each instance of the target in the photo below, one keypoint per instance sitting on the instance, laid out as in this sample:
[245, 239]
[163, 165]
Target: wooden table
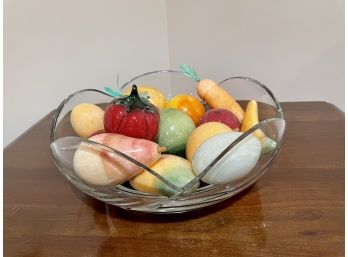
[296, 209]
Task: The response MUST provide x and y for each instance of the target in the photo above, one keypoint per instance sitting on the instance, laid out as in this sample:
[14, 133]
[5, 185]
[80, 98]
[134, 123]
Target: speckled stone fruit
[102, 168]
[188, 104]
[175, 128]
[236, 164]
[86, 119]
[221, 115]
[175, 169]
[203, 133]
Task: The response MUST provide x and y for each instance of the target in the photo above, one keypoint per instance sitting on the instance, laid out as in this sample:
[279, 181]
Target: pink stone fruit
[102, 168]
[221, 115]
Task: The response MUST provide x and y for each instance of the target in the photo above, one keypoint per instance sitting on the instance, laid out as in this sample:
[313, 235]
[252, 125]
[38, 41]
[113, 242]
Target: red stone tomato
[132, 116]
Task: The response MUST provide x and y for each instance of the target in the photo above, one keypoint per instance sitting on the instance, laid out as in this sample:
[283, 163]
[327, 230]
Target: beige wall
[296, 47]
[52, 48]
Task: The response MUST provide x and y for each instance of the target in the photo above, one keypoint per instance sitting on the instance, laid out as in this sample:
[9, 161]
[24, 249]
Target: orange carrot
[217, 97]
[213, 94]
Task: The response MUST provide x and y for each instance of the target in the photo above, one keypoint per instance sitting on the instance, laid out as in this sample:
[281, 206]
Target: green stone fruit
[175, 169]
[174, 130]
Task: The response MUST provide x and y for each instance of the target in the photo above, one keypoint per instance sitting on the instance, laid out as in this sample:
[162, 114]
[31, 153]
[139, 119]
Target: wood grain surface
[296, 209]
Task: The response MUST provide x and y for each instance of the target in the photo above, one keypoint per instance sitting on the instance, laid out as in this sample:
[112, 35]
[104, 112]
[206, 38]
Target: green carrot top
[112, 92]
[189, 71]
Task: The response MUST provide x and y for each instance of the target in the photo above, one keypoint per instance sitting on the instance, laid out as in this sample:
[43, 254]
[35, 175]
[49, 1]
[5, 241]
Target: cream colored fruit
[203, 133]
[86, 119]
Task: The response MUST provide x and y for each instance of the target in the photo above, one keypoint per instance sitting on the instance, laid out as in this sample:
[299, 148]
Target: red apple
[223, 116]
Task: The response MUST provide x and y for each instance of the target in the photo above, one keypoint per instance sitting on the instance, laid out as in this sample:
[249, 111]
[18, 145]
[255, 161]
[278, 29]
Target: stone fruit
[102, 168]
[201, 134]
[175, 128]
[213, 94]
[151, 94]
[188, 104]
[217, 97]
[175, 169]
[236, 163]
[86, 119]
[132, 116]
[223, 116]
[251, 119]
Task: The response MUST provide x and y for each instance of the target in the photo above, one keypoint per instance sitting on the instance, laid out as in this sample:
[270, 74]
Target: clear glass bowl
[64, 142]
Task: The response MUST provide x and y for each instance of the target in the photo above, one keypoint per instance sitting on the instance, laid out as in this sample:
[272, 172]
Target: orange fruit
[188, 104]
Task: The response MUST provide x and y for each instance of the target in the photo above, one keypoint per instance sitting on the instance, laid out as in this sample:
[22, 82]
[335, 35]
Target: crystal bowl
[63, 142]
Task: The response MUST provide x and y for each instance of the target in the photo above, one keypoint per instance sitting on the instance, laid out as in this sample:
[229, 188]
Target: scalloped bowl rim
[165, 204]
